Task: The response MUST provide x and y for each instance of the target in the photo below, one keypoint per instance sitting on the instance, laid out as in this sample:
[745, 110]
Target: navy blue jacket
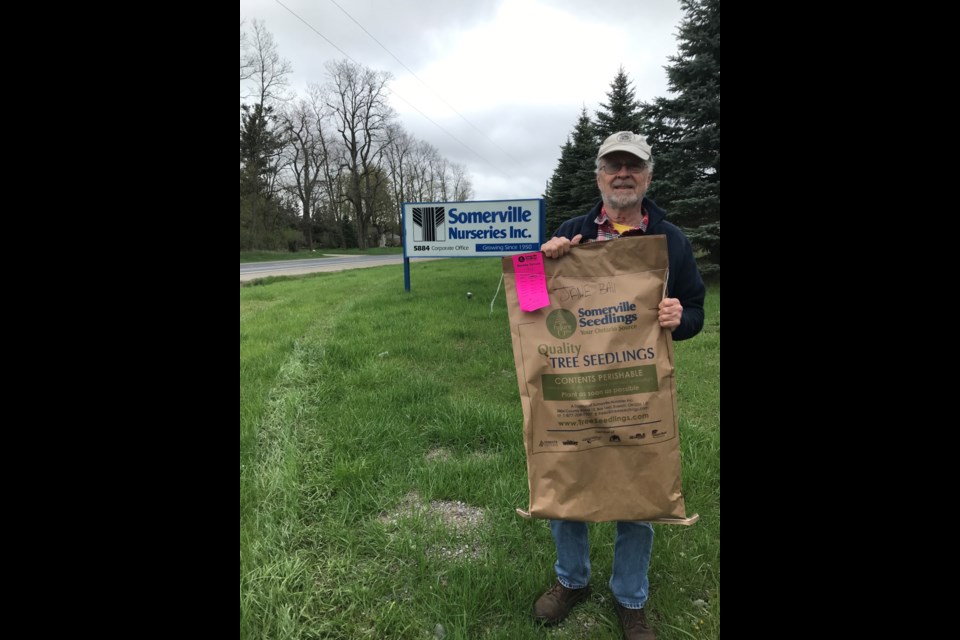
[684, 282]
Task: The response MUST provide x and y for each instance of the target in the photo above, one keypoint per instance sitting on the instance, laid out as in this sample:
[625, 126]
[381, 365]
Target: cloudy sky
[502, 80]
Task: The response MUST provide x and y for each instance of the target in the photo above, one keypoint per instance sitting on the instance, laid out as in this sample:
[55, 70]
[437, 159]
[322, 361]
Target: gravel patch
[460, 520]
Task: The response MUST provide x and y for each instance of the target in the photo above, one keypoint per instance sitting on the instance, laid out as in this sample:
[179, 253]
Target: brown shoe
[634, 623]
[553, 606]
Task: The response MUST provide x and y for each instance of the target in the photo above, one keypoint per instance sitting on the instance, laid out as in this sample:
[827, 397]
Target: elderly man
[624, 172]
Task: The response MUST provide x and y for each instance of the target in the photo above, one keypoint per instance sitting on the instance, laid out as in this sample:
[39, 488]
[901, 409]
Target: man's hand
[670, 312]
[559, 246]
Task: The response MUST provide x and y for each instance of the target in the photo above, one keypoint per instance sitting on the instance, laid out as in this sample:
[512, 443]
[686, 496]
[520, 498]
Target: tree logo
[429, 224]
[561, 324]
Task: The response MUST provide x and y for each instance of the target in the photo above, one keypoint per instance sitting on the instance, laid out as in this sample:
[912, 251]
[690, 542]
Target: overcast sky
[516, 71]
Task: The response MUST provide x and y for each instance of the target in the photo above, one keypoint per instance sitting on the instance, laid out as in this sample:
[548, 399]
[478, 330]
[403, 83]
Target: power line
[412, 106]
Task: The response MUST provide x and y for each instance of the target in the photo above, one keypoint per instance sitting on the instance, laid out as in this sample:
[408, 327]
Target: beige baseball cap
[626, 141]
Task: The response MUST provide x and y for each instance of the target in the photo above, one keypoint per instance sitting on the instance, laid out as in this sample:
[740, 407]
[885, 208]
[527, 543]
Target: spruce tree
[260, 143]
[621, 112]
[261, 216]
[572, 190]
[684, 132]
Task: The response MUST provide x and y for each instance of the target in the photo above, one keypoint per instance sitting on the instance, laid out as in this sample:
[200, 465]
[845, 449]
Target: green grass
[361, 403]
[271, 256]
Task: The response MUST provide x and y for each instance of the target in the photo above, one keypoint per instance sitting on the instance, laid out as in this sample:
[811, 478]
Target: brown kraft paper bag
[597, 386]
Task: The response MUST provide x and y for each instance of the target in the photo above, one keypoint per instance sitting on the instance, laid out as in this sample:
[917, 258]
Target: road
[253, 270]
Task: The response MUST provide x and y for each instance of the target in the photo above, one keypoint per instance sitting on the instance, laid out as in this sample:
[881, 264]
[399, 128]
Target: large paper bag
[597, 386]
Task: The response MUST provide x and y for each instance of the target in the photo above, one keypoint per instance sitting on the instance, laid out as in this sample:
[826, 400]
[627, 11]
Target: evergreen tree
[621, 112]
[259, 147]
[572, 190]
[262, 219]
[684, 132]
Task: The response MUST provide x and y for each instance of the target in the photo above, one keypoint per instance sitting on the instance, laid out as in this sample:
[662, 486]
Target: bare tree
[380, 203]
[429, 177]
[415, 173]
[398, 153]
[269, 73]
[424, 158]
[246, 66]
[462, 188]
[333, 199]
[357, 100]
[306, 155]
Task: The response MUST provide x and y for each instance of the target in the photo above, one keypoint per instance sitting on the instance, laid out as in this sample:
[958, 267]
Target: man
[624, 171]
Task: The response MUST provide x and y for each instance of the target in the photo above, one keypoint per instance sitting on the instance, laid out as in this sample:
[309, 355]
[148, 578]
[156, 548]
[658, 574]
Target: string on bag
[496, 293]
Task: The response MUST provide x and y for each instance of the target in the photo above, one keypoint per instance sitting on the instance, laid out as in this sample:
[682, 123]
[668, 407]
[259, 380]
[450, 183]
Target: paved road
[252, 270]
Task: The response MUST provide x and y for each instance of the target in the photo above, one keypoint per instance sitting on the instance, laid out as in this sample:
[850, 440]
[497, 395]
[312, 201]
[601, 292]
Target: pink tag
[531, 281]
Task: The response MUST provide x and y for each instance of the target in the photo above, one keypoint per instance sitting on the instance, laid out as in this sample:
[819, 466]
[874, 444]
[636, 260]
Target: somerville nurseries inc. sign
[470, 229]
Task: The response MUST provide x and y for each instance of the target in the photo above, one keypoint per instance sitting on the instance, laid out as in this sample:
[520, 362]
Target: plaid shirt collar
[606, 230]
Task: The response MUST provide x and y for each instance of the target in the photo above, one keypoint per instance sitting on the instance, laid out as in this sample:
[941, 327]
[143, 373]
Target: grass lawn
[381, 460]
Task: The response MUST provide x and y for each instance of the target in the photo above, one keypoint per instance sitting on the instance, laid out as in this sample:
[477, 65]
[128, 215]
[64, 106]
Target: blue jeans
[631, 559]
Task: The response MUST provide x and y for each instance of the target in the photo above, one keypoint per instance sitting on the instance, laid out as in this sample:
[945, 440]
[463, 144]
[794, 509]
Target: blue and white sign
[472, 229]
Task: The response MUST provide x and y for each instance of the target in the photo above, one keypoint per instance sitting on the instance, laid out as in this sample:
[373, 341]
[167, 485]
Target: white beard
[622, 200]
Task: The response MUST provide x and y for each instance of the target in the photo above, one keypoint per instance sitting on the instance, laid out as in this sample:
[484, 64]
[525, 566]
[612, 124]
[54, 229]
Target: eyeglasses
[612, 169]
